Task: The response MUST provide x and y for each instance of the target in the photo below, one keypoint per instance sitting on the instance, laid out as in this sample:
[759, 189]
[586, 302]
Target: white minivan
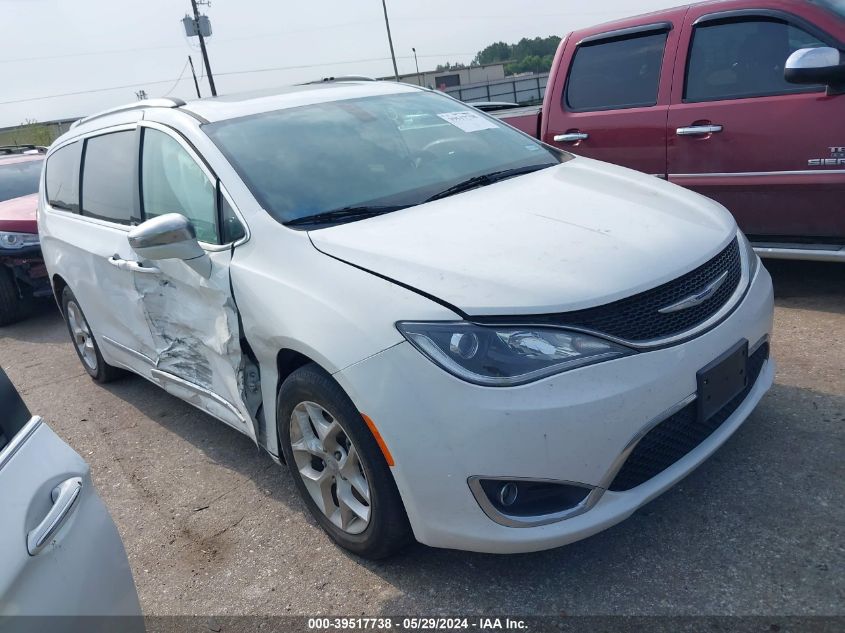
[448, 330]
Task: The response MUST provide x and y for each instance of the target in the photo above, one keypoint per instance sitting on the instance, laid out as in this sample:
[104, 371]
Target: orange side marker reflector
[384, 451]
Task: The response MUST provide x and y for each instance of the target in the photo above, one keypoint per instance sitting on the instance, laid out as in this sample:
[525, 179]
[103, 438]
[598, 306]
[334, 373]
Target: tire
[308, 393]
[13, 306]
[84, 342]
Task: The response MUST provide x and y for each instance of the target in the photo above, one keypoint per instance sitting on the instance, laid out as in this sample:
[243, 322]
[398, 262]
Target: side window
[231, 226]
[615, 74]
[62, 177]
[172, 182]
[735, 60]
[108, 177]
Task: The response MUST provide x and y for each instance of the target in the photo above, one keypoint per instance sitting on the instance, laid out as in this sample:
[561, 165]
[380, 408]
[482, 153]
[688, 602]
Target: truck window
[62, 178]
[108, 177]
[615, 74]
[741, 59]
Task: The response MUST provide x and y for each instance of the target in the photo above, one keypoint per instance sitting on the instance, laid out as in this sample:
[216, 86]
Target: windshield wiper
[346, 214]
[486, 179]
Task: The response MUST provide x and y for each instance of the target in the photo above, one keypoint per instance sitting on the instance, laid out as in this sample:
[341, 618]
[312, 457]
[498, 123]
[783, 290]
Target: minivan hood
[18, 215]
[573, 236]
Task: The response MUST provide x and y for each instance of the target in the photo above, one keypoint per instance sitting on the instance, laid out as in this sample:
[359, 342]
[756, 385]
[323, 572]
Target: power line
[232, 72]
[176, 83]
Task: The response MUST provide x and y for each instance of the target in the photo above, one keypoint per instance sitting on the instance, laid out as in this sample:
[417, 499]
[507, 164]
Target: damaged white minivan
[448, 330]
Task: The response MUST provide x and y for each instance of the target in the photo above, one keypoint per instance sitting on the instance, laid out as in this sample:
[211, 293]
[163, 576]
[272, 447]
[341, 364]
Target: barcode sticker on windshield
[468, 121]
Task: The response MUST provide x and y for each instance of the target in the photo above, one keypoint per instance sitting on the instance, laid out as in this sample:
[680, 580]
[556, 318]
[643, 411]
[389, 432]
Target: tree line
[528, 55]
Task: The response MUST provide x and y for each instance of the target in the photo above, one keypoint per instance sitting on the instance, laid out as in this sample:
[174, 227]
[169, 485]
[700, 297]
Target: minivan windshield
[19, 178]
[329, 163]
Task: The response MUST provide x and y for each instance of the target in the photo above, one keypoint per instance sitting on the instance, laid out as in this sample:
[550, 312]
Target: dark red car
[22, 272]
[703, 95]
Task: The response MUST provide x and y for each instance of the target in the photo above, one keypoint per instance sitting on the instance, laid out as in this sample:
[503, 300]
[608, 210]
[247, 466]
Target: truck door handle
[698, 130]
[135, 267]
[571, 137]
[64, 499]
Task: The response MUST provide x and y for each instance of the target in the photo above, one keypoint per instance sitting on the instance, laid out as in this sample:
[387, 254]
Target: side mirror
[170, 236]
[823, 65]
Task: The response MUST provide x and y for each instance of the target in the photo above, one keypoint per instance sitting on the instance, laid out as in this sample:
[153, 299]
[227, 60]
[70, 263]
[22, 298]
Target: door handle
[64, 499]
[571, 137]
[698, 130]
[135, 267]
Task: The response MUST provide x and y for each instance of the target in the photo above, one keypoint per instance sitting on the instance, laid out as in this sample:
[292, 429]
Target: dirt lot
[213, 526]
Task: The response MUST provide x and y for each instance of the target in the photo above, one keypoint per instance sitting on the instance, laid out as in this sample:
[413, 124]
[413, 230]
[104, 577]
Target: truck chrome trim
[825, 253]
[19, 440]
[744, 174]
[571, 137]
[698, 130]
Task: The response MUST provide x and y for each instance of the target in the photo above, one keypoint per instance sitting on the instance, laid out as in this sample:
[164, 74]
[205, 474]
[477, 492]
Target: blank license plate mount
[722, 380]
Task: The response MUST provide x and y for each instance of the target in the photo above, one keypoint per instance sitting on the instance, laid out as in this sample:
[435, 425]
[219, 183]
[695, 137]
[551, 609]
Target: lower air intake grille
[680, 433]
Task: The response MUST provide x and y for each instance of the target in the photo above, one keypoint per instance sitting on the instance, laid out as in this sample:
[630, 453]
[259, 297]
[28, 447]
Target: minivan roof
[248, 103]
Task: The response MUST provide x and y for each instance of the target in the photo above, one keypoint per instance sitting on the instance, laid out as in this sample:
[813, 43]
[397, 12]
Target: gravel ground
[212, 526]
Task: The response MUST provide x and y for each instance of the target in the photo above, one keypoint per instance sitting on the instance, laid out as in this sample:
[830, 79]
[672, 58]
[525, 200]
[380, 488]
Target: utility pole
[417, 64]
[194, 73]
[389, 39]
[202, 48]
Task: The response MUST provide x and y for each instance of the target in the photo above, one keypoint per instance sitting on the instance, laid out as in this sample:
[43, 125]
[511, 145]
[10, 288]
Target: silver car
[60, 550]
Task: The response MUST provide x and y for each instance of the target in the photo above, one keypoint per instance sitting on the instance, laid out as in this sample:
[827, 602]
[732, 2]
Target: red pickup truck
[723, 98]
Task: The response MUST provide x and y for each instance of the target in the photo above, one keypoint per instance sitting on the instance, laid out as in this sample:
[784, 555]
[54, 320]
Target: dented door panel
[197, 354]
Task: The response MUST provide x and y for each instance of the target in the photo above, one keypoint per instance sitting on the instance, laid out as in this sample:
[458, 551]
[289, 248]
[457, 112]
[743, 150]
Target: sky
[109, 49]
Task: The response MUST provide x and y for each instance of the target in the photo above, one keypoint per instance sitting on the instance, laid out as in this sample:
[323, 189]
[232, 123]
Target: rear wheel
[13, 306]
[84, 341]
[337, 466]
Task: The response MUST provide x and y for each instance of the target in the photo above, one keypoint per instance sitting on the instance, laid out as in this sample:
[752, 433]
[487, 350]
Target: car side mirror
[170, 236]
[823, 65]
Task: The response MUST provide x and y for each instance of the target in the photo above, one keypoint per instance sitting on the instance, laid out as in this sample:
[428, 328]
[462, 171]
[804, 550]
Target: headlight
[750, 255]
[17, 240]
[505, 356]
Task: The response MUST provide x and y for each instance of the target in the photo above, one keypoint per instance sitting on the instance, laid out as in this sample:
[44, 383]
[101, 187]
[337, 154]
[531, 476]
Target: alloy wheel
[81, 335]
[330, 467]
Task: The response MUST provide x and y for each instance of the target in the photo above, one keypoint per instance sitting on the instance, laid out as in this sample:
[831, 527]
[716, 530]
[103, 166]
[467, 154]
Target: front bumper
[28, 269]
[572, 427]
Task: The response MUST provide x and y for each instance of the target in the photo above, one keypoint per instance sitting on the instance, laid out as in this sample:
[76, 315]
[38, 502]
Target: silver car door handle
[64, 499]
[125, 264]
[571, 137]
[698, 130]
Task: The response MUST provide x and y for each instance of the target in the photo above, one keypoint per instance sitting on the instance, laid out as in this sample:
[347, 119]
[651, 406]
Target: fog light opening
[508, 494]
[528, 497]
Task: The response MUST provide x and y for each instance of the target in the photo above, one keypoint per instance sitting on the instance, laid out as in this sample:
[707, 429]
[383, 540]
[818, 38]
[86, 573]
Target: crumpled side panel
[195, 331]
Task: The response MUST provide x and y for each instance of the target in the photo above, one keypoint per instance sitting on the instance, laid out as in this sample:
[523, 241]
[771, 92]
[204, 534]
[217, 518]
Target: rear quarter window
[616, 73]
[62, 178]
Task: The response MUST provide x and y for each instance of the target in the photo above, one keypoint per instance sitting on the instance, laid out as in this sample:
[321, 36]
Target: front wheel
[337, 466]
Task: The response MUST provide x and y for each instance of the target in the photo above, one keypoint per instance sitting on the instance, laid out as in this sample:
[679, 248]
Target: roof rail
[163, 102]
[24, 148]
[325, 80]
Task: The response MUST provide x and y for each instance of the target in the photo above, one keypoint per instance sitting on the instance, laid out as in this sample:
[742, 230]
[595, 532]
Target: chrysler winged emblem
[697, 298]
